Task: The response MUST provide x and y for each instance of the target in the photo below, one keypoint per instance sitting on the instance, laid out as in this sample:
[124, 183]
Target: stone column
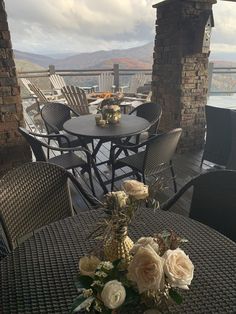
[13, 148]
[180, 68]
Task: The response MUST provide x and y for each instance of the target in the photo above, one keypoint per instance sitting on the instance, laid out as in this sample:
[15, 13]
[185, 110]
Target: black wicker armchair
[67, 160]
[32, 196]
[156, 157]
[218, 136]
[213, 201]
[54, 116]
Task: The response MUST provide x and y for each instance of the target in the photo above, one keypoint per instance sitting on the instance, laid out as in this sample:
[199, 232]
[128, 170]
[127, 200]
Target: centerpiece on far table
[110, 108]
[126, 277]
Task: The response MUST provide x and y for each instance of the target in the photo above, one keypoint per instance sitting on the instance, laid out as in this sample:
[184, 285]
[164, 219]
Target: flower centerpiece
[110, 108]
[127, 277]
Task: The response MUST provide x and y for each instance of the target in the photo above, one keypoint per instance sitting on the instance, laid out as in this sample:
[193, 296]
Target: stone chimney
[180, 68]
[13, 149]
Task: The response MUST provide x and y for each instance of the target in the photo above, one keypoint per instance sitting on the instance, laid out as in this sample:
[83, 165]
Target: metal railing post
[116, 76]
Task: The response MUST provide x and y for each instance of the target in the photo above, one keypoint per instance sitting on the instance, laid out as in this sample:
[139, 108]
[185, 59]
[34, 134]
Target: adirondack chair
[26, 83]
[136, 80]
[57, 82]
[76, 99]
[106, 82]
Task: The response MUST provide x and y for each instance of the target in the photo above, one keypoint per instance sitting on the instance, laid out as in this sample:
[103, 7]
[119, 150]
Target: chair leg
[112, 178]
[48, 150]
[144, 179]
[91, 180]
[202, 161]
[173, 176]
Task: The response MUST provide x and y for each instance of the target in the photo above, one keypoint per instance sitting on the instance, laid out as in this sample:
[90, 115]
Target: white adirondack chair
[106, 82]
[76, 99]
[57, 82]
[138, 79]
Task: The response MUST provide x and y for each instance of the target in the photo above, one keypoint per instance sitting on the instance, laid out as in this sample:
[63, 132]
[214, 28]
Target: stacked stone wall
[13, 148]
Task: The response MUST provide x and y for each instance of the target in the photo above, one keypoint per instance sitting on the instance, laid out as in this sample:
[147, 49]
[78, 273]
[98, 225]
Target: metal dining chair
[67, 160]
[154, 159]
[213, 200]
[32, 196]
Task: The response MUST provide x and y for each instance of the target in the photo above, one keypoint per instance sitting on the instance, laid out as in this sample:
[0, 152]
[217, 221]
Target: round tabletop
[86, 126]
[38, 277]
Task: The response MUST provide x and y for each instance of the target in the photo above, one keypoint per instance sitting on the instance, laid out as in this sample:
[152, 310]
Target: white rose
[113, 294]
[119, 197]
[88, 265]
[136, 189]
[143, 242]
[178, 268]
[146, 269]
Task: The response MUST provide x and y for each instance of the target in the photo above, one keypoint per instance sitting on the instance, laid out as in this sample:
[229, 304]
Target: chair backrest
[32, 196]
[160, 150]
[57, 81]
[35, 144]
[105, 82]
[37, 92]
[231, 163]
[218, 137]
[151, 112]
[26, 84]
[214, 201]
[55, 115]
[137, 80]
[76, 99]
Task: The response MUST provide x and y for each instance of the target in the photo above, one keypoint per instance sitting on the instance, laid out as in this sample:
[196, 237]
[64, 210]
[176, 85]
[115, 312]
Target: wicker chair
[218, 137]
[156, 157]
[152, 113]
[67, 160]
[213, 200]
[54, 116]
[32, 196]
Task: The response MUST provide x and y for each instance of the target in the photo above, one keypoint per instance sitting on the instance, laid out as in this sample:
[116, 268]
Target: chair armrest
[52, 136]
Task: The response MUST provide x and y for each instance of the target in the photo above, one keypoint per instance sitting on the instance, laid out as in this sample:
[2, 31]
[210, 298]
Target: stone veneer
[180, 68]
[13, 149]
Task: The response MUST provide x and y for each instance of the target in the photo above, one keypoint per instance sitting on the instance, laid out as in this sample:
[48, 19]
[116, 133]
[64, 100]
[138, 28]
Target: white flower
[87, 292]
[143, 242]
[146, 269]
[178, 268]
[97, 283]
[105, 265]
[88, 265]
[113, 294]
[101, 274]
[135, 189]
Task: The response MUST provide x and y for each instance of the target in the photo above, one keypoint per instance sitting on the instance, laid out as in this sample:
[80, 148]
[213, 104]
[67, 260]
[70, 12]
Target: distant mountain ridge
[143, 54]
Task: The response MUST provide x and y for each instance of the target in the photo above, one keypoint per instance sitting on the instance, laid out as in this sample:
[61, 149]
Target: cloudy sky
[59, 26]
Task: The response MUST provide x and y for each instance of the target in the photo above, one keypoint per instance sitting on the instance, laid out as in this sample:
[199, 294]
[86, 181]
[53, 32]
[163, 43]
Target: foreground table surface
[86, 126]
[38, 276]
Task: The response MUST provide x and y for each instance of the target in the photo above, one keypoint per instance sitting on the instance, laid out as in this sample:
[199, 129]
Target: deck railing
[119, 72]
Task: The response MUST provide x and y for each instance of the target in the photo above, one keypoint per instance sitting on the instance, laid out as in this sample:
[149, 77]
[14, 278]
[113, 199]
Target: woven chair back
[218, 137]
[55, 115]
[160, 151]
[76, 99]
[35, 144]
[32, 196]
[152, 113]
[214, 201]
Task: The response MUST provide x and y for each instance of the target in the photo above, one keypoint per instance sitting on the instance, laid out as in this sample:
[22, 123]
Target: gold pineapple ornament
[118, 245]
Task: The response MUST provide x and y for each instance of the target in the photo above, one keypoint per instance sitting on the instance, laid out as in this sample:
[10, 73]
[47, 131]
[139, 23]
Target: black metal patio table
[85, 126]
[38, 276]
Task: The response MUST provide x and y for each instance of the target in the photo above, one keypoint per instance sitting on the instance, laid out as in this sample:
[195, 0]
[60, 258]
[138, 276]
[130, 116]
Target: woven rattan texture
[32, 196]
[38, 276]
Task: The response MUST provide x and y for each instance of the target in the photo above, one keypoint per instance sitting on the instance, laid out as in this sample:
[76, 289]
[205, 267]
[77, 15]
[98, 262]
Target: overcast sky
[59, 26]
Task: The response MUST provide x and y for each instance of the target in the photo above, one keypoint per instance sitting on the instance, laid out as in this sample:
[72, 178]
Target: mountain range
[137, 57]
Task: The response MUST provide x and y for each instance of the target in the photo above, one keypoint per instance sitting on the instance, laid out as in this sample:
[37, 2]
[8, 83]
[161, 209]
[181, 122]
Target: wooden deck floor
[186, 166]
